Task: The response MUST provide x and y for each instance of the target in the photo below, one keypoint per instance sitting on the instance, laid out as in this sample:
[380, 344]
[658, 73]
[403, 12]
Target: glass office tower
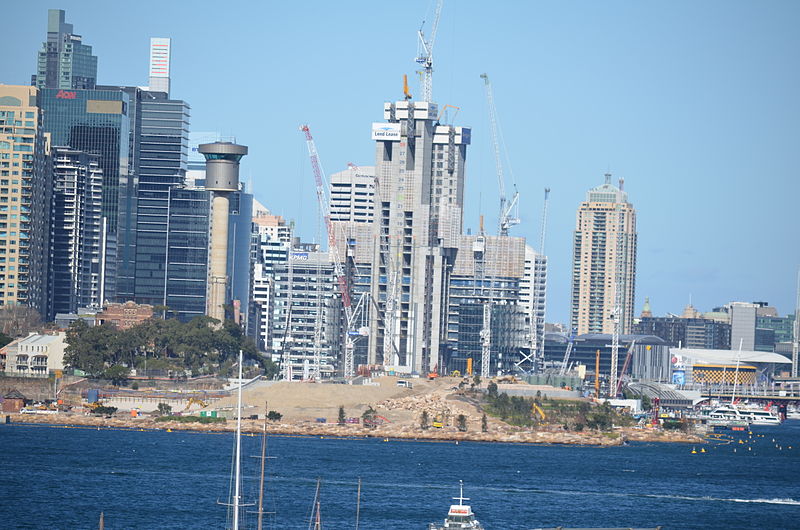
[186, 274]
[96, 122]
[158, 143]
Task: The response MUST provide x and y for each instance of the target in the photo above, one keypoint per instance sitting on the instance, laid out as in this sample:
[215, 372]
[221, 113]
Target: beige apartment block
[24, 198]
[603, 260]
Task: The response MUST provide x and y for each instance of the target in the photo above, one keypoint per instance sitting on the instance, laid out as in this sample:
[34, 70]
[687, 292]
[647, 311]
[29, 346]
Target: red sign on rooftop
[66, 94]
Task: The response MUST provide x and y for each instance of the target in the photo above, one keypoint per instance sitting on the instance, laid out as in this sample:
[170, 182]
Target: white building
[35, 355]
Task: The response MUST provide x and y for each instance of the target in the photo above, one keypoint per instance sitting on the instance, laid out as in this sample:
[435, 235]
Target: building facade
[743, 325]
[186, 273]
[25, 199]
[79, 232]
[353, 194]
[124, 316]
[306, 317]
[419, 199]
[686, 332]
[64, 62]
[604, 261]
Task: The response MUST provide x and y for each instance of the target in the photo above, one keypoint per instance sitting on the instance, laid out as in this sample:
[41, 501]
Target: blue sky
[695, 104]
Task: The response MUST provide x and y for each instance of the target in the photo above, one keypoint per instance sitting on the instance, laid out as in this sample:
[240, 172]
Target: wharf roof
[730, 356]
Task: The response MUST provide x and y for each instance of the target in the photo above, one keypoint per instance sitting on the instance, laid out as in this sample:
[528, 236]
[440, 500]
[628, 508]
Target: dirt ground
[307, 401]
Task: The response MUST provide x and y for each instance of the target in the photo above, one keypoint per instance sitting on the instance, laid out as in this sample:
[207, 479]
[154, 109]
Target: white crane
[507, 220]
[425, 54]
[351, 314]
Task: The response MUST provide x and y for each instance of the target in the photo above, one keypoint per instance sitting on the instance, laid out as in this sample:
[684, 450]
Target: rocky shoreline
[498, 434]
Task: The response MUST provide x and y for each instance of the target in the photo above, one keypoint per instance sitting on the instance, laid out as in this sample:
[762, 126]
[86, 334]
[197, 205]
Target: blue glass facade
[96, 122]
[187, 252]
[158, 144]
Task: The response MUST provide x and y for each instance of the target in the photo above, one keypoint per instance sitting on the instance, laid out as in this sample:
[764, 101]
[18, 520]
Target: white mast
[796, 342]
[736, 373]
[237, 478]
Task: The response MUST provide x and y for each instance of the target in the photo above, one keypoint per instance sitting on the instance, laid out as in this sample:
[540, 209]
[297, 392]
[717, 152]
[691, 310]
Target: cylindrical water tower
[222, 178]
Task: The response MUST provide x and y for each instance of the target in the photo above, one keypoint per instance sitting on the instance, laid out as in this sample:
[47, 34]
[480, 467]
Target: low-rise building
[125, 316]
[36, 355]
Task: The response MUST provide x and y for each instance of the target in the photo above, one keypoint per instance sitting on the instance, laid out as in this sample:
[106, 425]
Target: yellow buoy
[169, 430]
[702, 449]
[741, 442]
[694, 451]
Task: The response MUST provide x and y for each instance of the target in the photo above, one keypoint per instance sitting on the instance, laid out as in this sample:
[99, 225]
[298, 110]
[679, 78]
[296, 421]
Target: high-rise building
[158, 143]
[533, 298]
[271, 246]
[159, 64]
[743, 325]
[186, 261]
[353, 195]
[419, 199]
[25, 198]
[96, 122]
[306, 299]
[64, 61]
[484, 296]
[78, 249]
[604, 261]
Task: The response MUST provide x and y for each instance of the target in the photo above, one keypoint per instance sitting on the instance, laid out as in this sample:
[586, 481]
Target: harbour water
[62, 477]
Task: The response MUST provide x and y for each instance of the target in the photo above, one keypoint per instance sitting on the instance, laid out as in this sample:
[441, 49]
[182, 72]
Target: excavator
[195, 401]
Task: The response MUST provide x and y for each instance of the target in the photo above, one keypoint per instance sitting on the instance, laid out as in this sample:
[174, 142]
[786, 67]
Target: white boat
[460, 516]
[734, 414]
[760, 416]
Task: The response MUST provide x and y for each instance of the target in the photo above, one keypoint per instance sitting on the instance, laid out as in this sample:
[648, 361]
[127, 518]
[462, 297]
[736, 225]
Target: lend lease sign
[386, 131]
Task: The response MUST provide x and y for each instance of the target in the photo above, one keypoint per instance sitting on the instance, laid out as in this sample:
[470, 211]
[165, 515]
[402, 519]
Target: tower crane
[425, 53]
[507, 220]
[351, 313]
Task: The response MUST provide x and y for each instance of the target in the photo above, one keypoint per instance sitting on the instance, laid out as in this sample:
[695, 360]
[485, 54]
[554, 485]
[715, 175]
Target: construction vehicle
[536, 409]
[455, 373]
[195, 401]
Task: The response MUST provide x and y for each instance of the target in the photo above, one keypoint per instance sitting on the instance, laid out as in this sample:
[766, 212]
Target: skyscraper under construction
[419, 199]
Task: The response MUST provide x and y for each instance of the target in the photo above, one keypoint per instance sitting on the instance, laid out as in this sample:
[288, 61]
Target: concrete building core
[222, 178]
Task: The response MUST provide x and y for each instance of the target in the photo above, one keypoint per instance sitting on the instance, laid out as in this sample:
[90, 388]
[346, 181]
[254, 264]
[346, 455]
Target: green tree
[117, 374]
[491, 390]
[164, 409]
[368, 417]
[484, 423]
[274, 416]
[342, 417]
[424, 420]
[476, 380]
[461, 422]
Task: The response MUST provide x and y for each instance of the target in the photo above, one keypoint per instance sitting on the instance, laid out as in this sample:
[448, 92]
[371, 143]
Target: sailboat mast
[263, 459]
[237, 478]
[736, 373]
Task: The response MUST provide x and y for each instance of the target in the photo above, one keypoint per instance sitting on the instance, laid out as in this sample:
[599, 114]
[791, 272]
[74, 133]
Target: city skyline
[693, 135]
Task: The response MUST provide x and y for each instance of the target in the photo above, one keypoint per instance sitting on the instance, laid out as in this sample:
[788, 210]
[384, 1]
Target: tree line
[197, 347]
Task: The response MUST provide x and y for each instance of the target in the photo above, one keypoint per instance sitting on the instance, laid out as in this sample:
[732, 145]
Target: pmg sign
[66, 94]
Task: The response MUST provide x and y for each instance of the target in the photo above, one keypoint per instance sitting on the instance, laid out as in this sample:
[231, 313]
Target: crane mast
[506, 219]
[351, 314]
[425, 54]
[539, 271]
[618, 300]
[796, 329]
